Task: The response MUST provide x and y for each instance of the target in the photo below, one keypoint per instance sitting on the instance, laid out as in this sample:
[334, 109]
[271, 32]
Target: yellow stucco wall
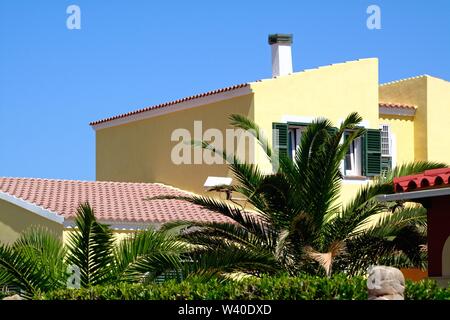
[402, 134]
[141, 151]
[432, 98]
[331, 91]
[14, 220]
[411, 92]
[438, 106]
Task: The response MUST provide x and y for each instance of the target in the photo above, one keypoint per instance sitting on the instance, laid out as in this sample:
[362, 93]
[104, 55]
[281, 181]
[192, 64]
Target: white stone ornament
[385, 283]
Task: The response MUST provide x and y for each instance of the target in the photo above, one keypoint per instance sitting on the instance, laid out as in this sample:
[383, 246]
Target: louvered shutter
[280, 138]
[372, 153]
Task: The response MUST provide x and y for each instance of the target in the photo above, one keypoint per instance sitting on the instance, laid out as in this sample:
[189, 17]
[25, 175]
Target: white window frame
[297, 131]
[355, 159]
[389, 137]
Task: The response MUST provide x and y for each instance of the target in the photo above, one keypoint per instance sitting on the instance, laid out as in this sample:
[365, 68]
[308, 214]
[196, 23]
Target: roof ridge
[172, 102]
[404, 79]
[216, 91]
[82, 181]
[320, 67]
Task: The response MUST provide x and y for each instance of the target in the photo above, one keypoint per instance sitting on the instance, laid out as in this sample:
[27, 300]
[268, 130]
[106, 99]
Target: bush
[338, 287]
[426, 290]
[266, 288]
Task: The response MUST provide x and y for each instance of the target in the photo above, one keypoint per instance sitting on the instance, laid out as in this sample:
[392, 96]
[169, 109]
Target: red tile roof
[170, 103]
[429, 179]
[115, 202]
[396, 106]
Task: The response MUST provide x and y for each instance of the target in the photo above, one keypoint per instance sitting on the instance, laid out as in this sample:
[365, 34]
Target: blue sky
[131, 54]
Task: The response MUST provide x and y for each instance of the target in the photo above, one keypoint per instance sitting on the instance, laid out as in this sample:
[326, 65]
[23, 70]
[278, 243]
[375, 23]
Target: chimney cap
[280, 38]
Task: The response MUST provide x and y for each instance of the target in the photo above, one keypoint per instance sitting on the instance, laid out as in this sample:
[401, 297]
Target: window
[385, 140]
[363, 159]
[294, 138]
[353, 158]
[386, 148]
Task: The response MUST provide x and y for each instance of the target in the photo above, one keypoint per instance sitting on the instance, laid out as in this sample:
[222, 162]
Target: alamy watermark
[74, 279]
[214, 146]
[73, 21]
[374, 20]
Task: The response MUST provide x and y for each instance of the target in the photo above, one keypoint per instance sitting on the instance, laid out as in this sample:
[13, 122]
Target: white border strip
[123, 226]
[409, 112]
[195, 102]
[349, 180]
[40, 211]
[414, 194]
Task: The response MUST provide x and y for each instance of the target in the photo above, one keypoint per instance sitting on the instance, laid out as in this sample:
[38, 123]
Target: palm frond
[19, 271]
[91, 248]
[410, 168]
[391, 223]
[34, 263]
[326, 259]
[242, 122]
[47, 251]
[229, 259]
[255, 223]
[146, 255]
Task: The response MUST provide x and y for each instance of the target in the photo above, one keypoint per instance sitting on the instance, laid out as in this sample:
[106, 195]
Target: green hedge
[338, 287]
[426, 290]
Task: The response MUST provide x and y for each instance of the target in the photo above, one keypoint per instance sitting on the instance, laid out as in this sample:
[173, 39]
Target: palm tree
[39, 261]
[292, 218]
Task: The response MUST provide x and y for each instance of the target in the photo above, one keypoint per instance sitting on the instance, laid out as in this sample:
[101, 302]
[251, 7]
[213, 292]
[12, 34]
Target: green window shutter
[299, 124]
[372, 153]
[280, 138]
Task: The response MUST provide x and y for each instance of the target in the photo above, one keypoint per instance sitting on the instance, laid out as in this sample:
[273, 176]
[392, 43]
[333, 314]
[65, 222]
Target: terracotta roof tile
[396, 105]
[117, 202]
[435, 178]
[170, 103]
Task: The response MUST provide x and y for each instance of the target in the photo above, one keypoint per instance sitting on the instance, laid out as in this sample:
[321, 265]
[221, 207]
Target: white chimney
[281, 54]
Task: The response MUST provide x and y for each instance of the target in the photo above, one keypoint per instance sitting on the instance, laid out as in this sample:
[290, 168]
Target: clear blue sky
[131, 54]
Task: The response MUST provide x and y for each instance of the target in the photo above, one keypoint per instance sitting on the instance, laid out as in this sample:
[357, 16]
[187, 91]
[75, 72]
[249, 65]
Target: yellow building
[142, 153]
[406, 121]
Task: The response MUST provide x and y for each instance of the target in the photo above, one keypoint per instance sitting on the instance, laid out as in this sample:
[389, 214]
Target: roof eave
[406, 112]
[31, 207]
[414, 195]
[120, 225]
[174, 106]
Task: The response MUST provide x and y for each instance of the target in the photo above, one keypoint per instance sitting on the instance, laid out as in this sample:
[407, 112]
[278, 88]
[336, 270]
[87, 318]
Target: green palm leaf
[228, 259]
[146, 255]
[91, 248]
[34, 263]
[410, 168]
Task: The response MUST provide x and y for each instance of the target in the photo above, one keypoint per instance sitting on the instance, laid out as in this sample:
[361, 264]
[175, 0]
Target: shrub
[267, 288]
[426, 290]
[339, 287]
